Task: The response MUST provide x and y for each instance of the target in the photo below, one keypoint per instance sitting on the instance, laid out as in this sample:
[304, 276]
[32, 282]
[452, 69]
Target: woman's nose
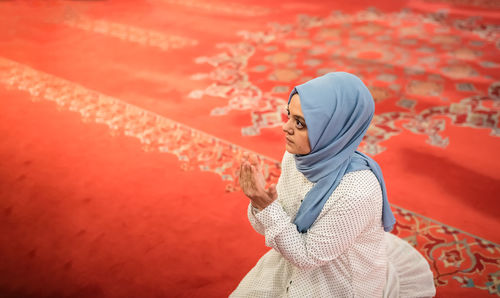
[286, 127]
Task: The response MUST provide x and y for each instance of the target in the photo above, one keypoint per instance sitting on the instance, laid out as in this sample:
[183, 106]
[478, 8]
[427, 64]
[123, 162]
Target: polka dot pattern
[343, 254]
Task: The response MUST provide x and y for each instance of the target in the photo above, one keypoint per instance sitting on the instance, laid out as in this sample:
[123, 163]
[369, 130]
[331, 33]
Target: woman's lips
[289, 141]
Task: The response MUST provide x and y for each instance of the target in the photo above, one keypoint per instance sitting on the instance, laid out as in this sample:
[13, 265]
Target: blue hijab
[338, 109]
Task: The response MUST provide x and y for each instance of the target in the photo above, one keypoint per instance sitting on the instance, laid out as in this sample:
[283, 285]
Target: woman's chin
[289, 149]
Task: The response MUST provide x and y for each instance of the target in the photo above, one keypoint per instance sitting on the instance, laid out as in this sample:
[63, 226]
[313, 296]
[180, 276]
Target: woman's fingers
[247, 181]
[259, 178]
[244, 157]
[252, 181]
[244, 176]
[254, 159]
[253, 173]
[242, 171]
[259, 181]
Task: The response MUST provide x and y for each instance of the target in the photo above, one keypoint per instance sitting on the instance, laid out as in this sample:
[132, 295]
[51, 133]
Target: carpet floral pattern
[378, 47]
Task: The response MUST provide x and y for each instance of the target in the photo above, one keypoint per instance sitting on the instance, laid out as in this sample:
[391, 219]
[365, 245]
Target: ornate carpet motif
[474, 111]
[128, 33]
[455, 256]
[403, 58]
[195, 149]
[224, 8]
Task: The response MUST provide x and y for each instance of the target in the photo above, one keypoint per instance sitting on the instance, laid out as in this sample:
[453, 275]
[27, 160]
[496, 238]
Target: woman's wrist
[262, 202]
[255, 206]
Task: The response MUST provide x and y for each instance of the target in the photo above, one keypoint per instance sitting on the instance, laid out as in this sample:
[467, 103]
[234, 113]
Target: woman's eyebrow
[300, 117]
[296, 116]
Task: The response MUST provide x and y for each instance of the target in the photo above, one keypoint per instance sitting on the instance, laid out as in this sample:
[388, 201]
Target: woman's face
[297, 140]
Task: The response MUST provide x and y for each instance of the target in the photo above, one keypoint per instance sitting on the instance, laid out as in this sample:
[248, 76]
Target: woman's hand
[253, 183]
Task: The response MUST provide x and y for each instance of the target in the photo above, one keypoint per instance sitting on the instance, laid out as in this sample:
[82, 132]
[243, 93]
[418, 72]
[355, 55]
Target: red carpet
[121, 124]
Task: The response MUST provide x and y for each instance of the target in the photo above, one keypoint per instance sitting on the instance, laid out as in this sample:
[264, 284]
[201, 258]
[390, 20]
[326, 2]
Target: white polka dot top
[343, 254]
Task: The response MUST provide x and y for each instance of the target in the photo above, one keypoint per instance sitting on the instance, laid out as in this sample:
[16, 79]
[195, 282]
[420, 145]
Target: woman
[327, 218]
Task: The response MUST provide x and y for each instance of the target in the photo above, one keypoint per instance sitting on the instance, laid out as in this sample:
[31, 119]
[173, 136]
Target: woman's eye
[299, 124]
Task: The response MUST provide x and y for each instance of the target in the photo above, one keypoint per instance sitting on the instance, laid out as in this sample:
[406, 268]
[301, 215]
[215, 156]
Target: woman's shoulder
[358, 190]
[359, 184]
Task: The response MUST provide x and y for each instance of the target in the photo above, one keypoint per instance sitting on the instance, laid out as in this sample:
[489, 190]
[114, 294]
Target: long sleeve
[332, 233]
[257, 226]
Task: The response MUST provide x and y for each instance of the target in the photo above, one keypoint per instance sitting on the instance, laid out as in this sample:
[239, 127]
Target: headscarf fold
[338, 109]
